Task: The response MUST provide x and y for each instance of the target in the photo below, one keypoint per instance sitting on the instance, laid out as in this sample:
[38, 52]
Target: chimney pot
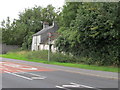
[45, 24]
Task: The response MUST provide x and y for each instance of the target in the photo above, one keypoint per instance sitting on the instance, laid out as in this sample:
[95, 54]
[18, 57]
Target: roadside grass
[23, 55]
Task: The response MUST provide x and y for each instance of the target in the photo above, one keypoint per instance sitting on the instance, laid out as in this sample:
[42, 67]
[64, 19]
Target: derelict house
[40, 39]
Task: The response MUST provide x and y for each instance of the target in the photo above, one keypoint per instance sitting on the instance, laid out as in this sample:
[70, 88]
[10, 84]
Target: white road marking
[84, 73]
[32, 78]
[82, 85]
[42, 77]
[86, 86]
[29, 68]
[12, 65]
[38, 77]
[71, 85]
[19, 75]
[19, 66]
[18, 72]
[63, 88]
[75, 85]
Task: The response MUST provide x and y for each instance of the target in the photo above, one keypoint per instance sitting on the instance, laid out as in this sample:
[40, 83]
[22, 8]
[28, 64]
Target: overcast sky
[12, 8]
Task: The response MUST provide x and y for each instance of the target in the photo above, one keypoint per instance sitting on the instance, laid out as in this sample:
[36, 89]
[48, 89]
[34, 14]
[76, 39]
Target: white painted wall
[43, 47]
[33, 43]
[36, 40]
[46, 47]
[53, 49]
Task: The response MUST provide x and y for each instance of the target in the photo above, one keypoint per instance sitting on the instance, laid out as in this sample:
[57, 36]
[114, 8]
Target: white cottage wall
[37, 46]
[53, 49]
[33, 43]
[46, 47]
[43, 47]
[36, 40]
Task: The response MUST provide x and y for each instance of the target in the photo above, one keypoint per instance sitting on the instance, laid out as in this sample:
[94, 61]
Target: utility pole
[49, 36]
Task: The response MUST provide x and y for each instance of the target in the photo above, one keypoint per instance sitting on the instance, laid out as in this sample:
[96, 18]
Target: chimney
[45, 24]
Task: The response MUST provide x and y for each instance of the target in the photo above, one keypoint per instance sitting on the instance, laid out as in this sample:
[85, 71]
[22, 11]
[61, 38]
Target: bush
[93, 35]
[57, 57]
[91, 59]
[37, 55]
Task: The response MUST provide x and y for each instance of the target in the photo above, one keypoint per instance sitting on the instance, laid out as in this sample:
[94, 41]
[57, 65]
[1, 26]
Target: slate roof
[51, 29]
[44, 33]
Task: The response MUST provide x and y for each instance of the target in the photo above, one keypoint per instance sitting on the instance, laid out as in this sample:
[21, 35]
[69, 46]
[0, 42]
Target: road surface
[24, 74]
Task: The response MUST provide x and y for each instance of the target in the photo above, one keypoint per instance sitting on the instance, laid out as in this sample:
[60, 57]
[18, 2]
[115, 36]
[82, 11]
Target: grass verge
[23, 56]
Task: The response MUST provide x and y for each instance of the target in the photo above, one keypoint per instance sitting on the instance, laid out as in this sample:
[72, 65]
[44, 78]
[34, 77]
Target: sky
[12, 8]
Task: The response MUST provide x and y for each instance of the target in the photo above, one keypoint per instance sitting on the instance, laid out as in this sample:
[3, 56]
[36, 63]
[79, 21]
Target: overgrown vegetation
[56, 58]
[91, 33]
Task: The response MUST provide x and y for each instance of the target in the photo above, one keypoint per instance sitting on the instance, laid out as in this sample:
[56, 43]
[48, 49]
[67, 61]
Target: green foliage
[68, 14]
[57, 57]
[36, 57]
[6, 31]
[93, 34]
[37, 54]
[20, 31]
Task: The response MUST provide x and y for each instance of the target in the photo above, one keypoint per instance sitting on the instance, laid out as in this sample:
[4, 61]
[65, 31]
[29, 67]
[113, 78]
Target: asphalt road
[53, 76]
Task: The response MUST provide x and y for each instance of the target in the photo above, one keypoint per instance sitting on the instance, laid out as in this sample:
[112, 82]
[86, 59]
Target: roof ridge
[43, 30]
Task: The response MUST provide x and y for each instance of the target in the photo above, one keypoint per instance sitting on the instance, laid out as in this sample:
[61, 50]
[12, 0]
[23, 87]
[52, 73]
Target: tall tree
[6, 31]
[93, 34]
[30, 21]
[68, 13]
